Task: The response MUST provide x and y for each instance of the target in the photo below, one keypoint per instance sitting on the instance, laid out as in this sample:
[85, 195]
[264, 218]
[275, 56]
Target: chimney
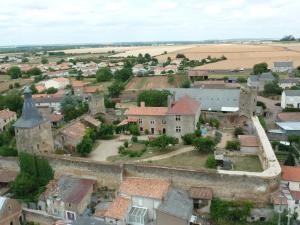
[169, 101]
[142, 104]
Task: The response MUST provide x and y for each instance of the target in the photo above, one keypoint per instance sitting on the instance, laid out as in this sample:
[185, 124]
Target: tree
[73, 107]
[25, 60]
[180, 56]
[211, 162]
[34, 72]
[186, 84]
[106, 131]
[33, 89]
[13, 101]
[154, 98]
[51, 90]
[242, 80]
[238, 131]
[290, 161]
[115, 89]
[272, 88]
[104, 74]
[44, 60]
[189, 138]
[14, 72]
[163, 141]
[260, 68]
[85, 146]
[204, 144]
[262, 104]
[134, 129]
[233, 145]
[288, 38]
[123, 74]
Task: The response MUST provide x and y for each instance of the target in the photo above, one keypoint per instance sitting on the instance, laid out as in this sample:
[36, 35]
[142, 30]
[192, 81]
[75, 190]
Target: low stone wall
[38, 217]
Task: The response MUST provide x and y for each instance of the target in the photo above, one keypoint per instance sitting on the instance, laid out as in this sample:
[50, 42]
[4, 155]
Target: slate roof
[283, 64]
[289, 81]
[292, 92]
[30, 115]
[149, 188]
[177, 203]
[210, 99]
[267, 76]
[291, 126]
[184, 106]
[71, 189]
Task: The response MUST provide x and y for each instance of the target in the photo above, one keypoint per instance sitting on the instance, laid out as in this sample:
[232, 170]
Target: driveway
[272, 107]
[105, 149]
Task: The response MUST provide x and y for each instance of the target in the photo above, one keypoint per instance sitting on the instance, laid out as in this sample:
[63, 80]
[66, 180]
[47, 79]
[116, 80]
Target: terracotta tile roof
[146, 111]
[78, 83]
[248, 140]
[90, 89]
[289, 116]
[7, 176]
[7, 114]
[185, 106]
[58, 94]
[201, 193]
[75, 130]
[56, 117]
[118, 209]
[296, 195]
[61, 79]
[149, 188]
[290, 173]
[40, 88]
[92, 121]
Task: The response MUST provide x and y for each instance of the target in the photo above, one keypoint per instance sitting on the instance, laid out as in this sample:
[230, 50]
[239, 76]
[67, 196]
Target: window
[141, 129]
[152, 122]
[177, 117]
[178, 129]
[140, 121]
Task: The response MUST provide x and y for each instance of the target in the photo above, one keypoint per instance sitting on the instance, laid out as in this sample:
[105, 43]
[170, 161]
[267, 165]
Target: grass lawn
[281, 156]
[189, 160]
[221, 76]
[249, 163]
[4, 78]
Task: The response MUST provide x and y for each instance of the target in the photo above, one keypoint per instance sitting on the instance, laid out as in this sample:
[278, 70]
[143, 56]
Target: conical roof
[30, 115]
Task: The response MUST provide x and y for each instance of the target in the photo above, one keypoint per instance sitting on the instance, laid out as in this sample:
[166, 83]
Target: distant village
[94, 139]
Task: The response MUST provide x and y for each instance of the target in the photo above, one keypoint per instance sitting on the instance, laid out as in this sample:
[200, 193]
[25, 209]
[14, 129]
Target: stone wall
[228, 120]
[38, 217]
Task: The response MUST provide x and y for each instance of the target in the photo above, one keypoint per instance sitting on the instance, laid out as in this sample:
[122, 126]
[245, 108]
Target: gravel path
[105, 149]
[168, 155]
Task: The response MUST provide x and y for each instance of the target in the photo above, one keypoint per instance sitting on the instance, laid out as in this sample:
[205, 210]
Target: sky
[108, 21]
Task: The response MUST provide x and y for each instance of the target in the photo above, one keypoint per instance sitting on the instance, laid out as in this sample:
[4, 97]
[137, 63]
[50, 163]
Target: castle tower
[96, 104]
[33, 132]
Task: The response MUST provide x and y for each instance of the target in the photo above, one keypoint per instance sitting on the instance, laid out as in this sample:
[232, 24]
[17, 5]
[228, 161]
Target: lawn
[188, 160]
[281, 156]
[249, 163]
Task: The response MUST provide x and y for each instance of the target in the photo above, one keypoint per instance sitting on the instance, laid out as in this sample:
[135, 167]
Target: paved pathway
[105, 149]
[170, 154]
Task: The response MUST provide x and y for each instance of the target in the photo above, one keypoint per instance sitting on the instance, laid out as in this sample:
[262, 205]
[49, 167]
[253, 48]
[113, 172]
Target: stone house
[290, 99]
[6, 118]
[201, 197]
[287, 66]
[179, 118]
[176, 209]
[249, 144]
[67, 198]
[10, 212]
[258, 82]
[58, 83]
[33, 132]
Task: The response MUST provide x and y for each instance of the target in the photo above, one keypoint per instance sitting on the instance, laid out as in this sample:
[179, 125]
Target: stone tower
[248, 100]
[96, 104]
[33, 132]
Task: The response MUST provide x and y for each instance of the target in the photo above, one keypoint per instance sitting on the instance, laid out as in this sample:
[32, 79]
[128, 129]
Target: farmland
[240, 55]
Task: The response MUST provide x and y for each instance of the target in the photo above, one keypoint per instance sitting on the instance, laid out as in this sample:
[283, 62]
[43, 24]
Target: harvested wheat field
[129, 51]
[241, 55]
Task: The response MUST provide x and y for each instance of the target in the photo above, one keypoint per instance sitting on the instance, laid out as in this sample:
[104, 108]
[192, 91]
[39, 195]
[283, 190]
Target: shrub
[211, 162]
[218, 137]
[163, 141]
[262, 122]
[6, 151]
[214, 122]
[106, 131]
[262, 104]
[126, 144]
[204, 144]
[238, 131]
[85, 146]
[189, 138]
[134, 129]
[290, 161]
[146, 131]
[233, 145]
[134, 139]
